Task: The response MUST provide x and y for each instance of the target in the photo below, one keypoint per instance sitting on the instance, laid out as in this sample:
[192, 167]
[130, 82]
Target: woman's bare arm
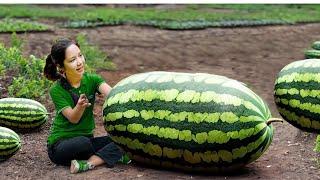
[104, 89]
[75, 114]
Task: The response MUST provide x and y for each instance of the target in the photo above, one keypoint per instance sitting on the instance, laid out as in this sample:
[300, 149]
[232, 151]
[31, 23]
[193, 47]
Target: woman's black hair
[54, 60]
[56, 57]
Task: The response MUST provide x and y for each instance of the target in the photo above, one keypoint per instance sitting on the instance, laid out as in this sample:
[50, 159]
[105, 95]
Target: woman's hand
[83, 101]
[74, 115]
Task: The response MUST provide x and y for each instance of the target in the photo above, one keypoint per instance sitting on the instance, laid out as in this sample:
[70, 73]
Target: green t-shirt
[62, 99]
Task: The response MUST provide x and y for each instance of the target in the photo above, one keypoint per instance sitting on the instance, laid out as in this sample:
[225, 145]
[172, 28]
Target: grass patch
[184, 25]
[213, 15]
[12, 25]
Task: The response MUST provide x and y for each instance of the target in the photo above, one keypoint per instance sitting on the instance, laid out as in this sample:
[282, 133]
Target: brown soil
[251, 55]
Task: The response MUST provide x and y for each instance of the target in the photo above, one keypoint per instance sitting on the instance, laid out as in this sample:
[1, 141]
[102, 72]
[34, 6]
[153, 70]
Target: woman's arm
[104, 89]
[74, 115]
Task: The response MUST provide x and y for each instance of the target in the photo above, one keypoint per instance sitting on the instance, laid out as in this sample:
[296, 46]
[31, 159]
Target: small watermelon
[22, 113]
[312, 54]
[9, 143]
[316, 45]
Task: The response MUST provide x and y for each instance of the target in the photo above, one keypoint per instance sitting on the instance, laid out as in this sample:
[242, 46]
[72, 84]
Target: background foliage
[184, 17]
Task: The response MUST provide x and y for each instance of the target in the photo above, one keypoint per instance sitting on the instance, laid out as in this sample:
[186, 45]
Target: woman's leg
[105, 152]
[74, 148]
[95, 160]
[105, 148]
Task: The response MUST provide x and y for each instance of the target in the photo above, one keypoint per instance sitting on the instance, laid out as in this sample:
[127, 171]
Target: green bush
[16, 41]
[9, 57]
[30, 83]
[28, 80]
[29, 88]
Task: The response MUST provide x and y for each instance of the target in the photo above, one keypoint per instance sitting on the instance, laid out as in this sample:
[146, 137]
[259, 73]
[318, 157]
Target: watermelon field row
[186, 17]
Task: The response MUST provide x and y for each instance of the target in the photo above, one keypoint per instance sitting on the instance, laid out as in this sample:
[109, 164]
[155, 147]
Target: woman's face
[74, 62]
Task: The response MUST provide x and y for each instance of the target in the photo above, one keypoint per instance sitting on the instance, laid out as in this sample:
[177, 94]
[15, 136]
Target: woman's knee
[78, 144]
[73, 148]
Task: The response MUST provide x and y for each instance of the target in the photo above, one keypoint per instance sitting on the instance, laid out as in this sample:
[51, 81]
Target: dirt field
[251, 55]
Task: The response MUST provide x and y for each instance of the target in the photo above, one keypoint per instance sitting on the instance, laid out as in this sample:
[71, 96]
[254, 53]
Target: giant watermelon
[297, 94]
[193, 122]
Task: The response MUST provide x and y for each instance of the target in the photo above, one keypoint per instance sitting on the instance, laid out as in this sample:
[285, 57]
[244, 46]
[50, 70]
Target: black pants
[81, 148]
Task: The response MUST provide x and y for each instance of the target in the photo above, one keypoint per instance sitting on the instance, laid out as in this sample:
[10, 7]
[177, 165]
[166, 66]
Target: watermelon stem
[271, 120]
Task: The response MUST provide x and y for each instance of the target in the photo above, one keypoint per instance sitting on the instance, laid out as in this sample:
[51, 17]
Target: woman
[71, 140]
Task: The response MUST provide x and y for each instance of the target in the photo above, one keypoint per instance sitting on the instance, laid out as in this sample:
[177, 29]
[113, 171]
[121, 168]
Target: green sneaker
[125, 159]
[78, 166]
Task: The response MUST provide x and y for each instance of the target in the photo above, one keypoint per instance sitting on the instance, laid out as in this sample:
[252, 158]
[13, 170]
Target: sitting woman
[71, 140]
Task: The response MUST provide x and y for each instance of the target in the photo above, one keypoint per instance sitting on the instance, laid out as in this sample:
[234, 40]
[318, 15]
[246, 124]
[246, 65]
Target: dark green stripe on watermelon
[17, 123]
[311, 85]
[7, 143]
[176, 107]
[23, 116]
[190, 145]
[185, 125]
[306, 99]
